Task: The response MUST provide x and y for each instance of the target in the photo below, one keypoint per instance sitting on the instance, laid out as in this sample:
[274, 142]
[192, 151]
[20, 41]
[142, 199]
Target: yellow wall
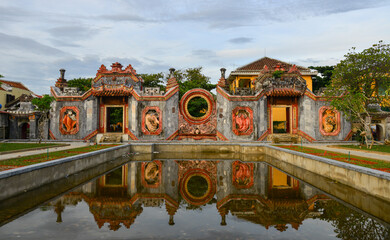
[236, 82]
[309, 82]
[279, 179]
[278, 114]
[15, 91]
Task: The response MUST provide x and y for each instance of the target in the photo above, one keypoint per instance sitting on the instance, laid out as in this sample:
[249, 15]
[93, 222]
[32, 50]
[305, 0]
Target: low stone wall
[15, 181]
[371, 181]
[197, 147]
[374, 182]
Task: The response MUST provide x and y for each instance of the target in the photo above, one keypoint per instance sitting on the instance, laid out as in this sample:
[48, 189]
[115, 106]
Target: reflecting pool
[194, 199]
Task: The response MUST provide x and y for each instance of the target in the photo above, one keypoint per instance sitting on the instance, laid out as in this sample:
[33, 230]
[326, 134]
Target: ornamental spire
[172, 80]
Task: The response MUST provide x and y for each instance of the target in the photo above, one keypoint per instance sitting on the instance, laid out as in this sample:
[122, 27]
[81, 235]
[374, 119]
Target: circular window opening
[197, 186]
[197, 107]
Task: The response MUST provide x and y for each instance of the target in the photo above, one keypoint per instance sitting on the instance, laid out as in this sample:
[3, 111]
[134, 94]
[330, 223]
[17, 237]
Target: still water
[194, 199]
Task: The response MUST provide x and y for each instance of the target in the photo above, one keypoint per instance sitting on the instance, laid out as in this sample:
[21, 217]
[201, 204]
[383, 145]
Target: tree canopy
[153, 80]
[360, 80]
[323, 78]
[43, 104]
[187, 79]
[1, 76]
[83, 84]
[191, 78]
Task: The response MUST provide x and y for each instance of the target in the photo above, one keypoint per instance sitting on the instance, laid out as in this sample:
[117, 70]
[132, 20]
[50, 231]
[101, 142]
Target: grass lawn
[364, 162]
[44, 157]
[5, 147]
[375, 148]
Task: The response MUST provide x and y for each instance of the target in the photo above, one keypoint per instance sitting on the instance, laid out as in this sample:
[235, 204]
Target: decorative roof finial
[223, 70]
[61, 82]
[62, 72]
[222, 81]
[172, 80]
[171, 71]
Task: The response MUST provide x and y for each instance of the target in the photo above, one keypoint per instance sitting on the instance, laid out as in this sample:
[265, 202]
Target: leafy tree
[153, 80]
[83, 84]
[350, 224]
[43, 105]
[323, 78]
[192, 78]
[1, 76]
[356, 81]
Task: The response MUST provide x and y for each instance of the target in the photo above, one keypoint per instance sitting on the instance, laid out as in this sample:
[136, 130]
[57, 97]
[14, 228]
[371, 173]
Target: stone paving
[33, 152]
[360, 153]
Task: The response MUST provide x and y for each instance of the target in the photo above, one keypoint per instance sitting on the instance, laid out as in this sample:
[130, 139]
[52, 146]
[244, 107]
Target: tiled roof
[259, 64]
[14, 84]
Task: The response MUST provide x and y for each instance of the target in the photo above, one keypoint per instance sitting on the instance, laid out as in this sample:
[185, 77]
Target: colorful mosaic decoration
[197, 181]
[242, 174]
[203, 127]
[191, 95]
[151, 174]
[151, 121]
[242, 121]
[69, 120]
[329, 121]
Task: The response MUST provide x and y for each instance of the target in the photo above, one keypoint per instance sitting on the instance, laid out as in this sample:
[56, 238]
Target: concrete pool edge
[23, 179]
[371, 181]
[19, 180]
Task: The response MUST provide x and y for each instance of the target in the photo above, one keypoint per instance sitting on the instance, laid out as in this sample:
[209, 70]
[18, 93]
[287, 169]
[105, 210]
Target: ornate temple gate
[197, 125]
[108, 103]
[291, 106]
[113, 88]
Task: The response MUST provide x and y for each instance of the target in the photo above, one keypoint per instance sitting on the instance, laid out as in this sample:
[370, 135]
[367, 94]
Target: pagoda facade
[266, 100]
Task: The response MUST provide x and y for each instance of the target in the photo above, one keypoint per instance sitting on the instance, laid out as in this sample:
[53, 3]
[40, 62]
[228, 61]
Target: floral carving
[329, 121]
[151, 174]
[242, 174]
[151, 121]
[242, 121]
[69, 120]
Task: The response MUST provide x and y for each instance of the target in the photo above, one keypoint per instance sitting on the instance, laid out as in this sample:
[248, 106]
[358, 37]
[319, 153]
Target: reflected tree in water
[350, 224]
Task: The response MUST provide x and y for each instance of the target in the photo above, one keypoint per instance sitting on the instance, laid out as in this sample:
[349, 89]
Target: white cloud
[39, 37]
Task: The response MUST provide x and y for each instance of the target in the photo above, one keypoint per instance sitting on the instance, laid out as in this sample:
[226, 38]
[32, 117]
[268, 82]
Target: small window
[10, 98]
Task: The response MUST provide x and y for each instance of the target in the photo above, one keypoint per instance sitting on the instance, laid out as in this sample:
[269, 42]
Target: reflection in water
[255, 193]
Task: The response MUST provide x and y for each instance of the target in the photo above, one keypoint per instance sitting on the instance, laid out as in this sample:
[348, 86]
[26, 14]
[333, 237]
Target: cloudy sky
[38, 37]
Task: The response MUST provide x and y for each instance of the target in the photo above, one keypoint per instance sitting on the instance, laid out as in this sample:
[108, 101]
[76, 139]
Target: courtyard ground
[25, 158]
[11, 147]
[374, 160]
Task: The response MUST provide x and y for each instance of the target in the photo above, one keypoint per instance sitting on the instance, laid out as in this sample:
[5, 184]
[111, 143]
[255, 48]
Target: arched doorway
[377, 132]
[25, 130]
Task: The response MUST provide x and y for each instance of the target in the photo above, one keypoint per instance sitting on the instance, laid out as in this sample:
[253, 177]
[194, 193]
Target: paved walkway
[33, 152]
[360, 153]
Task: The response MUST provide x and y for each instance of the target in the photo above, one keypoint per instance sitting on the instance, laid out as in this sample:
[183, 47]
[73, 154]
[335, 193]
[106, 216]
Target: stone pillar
[14, 132]
[33, 126]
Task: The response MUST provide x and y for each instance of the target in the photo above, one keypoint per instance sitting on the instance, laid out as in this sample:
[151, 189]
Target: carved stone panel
[151, 174]
[242, 174]
[329, 121]
[69, 120]
[151, 121]
[242, 121]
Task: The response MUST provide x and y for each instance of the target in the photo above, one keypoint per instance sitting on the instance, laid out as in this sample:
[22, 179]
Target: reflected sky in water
[194, 200]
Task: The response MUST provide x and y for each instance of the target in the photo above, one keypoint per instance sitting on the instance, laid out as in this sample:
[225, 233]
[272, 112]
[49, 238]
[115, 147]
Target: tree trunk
[41, 126]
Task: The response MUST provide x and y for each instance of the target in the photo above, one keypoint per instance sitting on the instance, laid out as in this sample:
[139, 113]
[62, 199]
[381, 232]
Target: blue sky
[38, 37]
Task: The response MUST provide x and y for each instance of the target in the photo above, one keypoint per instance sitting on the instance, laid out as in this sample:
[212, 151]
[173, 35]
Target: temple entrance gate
[283, 118]
[114, 118]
